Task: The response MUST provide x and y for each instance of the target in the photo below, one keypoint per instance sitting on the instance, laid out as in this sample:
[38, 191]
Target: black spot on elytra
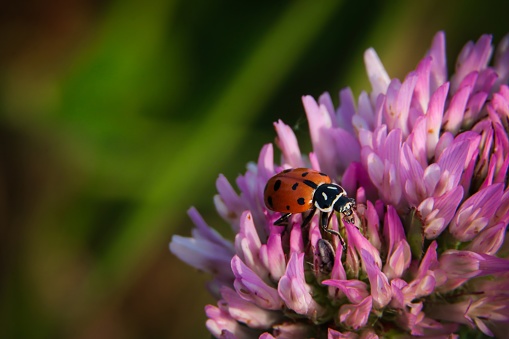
[277, 185]
[310, 183]
[266, 186]
[304, 174]
[287, 207]
[286, 170]
[301, 201]
[269, 201]
[323, 174]
[294, 187]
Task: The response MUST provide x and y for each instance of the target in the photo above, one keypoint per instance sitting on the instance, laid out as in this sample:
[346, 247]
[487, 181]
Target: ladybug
[298, 190]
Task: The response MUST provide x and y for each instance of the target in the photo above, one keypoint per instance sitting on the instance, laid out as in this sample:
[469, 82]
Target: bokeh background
[117, 116]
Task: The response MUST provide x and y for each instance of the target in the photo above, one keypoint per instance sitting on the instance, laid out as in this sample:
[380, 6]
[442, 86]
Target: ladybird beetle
[299, 190]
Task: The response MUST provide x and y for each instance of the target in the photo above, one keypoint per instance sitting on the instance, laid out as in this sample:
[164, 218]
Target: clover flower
[425, 253]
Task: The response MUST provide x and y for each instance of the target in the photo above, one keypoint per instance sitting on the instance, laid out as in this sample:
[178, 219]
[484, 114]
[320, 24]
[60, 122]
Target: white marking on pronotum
[333, 188]
[324, 195]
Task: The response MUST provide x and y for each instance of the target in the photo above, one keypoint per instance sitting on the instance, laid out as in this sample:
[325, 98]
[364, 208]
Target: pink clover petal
[204, 232]
[248, 244]
[375, 167]
[203, 255]
[228, 203]
[325, 100]
[430, 260]
[354, 290]
[333, 334]
[393, 229]
[365, 117]
[402, 105]
[220, 320]
[474, 108]
[454, 115]
[489, 240]
[399, 253]
[296, 242]
[287, 143]
[434, 118]
[320, 125]
[459, 266]
[380, 287]
[356, 176]
[398, 299]
[377, 75]
[501, 62]
[360, 243]
[399, 261]
[473, 57]
[356, 316]
[502, 213]
[373, 226]
[438, 74]
[252, 288]
[293, 330]
[347, 147]
[421, 94]
[411, 177]
[473, 215]
[444, 208]
[293, 288]
[452, 162]
[248, 313]
[273, 256]
[346, 110]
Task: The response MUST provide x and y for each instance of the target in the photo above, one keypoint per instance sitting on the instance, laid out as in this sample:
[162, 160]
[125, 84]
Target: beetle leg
[308, 218]
[325, 218]
[282, 220]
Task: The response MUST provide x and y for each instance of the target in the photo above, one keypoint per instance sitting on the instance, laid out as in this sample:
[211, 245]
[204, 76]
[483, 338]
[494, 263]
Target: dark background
[117, 116]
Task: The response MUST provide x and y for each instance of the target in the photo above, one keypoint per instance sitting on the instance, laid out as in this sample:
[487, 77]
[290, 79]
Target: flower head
[424, 252]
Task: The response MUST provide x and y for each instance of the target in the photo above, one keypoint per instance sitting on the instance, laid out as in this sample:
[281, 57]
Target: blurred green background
[116, 116]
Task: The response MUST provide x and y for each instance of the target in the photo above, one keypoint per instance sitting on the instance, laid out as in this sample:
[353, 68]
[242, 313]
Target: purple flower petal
[459, 266]
[293, 288]
[439, 64]
[319, 127]
[354, 290]
[273, 256]
[489, 240]
[421, 93]
[219, 321]
[248, 244]
[473, 57]
[333, 334]
[247, 312]
[358, 242]
[346, 110]
[380, 288]
[377, 75]
[502, 61]
[434, 118]
[228, 203]
[347, 148]
[252, 288]
[287, 143]
[473, 215]
[453, 117]
[356, 316]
